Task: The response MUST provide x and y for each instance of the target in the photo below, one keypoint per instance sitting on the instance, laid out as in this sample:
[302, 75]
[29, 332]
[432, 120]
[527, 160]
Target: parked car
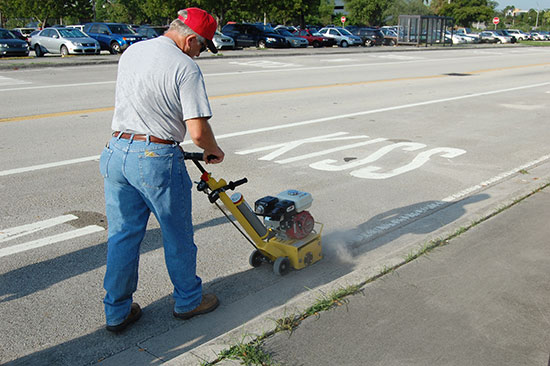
[369, 36]
[17, 34]
[494, 37]
[64, 41]
[315, 39]
[151, 31]
[505, 33]
[25, 32]
[538, 36]
[291, 39]
[80, 27]
[390, 36]
[222, 41]
[342, 36]
[455, 38]
[467, 32]
[520, 35]
[113, 37]
[10, 45]
[259, 35]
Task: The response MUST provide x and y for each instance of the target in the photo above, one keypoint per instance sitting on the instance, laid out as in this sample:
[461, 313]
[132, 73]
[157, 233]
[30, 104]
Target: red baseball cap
[203, 24]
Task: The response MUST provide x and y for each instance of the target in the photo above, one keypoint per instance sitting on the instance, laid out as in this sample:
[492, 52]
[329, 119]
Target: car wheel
[38, 50]
[64, 51]
[343, 44]
[115, 48]
[393, 42]
[261, 44]
[316, 44]
[499, 41]
[368, 42]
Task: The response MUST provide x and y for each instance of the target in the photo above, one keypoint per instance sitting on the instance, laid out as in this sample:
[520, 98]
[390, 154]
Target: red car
[315, 39]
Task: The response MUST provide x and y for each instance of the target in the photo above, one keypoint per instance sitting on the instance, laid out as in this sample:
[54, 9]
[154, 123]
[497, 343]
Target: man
[160, 94]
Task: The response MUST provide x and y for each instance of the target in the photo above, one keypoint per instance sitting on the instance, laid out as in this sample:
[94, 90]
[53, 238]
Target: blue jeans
[142, 177]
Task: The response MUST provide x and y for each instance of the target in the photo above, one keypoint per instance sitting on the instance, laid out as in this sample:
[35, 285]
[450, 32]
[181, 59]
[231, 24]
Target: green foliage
[405, 7]
[367, 12]
[465, 12]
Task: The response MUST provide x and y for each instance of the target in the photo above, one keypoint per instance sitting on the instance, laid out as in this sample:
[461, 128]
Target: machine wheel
[316, 44]
[261, 44]
[115, 48]
[38, 51]
[281, 266]
[64, 51]
[343, 44]
[368, 43]
[256, 258]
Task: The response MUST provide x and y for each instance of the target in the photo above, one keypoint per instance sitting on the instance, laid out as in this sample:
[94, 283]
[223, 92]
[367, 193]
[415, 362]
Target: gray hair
[183, 29]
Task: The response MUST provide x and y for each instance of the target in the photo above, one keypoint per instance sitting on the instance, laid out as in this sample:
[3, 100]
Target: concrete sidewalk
[482, 299]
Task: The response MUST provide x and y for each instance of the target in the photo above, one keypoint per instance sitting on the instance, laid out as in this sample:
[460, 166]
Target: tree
[405, 7]
[464, 12]
[367, 12]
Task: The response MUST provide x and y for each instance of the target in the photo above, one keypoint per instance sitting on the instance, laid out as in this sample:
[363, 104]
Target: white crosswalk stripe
[4, 80]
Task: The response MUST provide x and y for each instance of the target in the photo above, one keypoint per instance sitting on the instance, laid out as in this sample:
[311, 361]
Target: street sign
[496, 20]
[343, 19]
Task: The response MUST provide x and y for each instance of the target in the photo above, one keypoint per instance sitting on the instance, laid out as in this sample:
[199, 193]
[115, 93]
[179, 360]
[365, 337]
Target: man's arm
[201, 133]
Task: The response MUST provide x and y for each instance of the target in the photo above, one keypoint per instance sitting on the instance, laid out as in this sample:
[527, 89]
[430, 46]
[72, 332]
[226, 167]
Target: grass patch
[523, 171]
[536, 43]
[249, 353]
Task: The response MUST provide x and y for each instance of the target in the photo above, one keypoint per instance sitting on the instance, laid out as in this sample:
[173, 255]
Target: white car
[222, 41]
[342, 36]
[494, 34]
[457, 38]
[520, 36]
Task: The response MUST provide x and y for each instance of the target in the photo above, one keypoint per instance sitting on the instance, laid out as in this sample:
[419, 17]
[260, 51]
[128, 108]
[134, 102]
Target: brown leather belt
[139, 137]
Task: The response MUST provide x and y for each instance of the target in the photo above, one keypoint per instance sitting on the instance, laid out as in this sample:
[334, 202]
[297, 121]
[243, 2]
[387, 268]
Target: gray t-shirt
[158, 88]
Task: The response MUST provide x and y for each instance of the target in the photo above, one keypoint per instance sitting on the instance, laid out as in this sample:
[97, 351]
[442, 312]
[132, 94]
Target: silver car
[342, 36]
[222, 41]
[64, 41]
[292, 39]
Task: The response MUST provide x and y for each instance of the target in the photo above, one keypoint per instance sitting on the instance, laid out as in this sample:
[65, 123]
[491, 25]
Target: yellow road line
[108, 109]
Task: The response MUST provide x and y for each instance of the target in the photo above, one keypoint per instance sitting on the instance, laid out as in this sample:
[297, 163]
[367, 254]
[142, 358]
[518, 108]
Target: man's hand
[213, 156]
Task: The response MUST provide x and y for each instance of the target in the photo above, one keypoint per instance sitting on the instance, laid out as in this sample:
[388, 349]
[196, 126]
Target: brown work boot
[209, 303]
[135, 314]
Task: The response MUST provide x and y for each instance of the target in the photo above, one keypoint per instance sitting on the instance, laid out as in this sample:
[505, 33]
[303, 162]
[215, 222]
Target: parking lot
[396, 144]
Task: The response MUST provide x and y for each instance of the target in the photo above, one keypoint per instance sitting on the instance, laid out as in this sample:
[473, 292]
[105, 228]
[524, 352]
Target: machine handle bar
[196, 156]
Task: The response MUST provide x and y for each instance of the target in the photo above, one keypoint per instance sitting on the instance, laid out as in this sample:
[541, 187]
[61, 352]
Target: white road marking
[328, 164]
[50, 240]
[16, 232]
[4, 80]
[265, 64]
[369, 234]
[59, 86]
[295, 124]
[370, 172]
[48, 165]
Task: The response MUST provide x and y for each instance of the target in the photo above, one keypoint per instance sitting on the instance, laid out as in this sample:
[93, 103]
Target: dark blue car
[10, 45]
[250, 35]
[113, 37]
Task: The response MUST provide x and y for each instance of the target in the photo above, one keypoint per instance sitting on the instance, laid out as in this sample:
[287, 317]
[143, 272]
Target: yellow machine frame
[301, 253]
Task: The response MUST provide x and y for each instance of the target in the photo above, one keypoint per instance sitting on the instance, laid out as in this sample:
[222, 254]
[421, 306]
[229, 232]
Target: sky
[524, 4]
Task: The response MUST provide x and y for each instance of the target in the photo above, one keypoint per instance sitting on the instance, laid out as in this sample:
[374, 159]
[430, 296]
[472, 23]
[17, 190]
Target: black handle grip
[193, 156]
[233, 185]
[197, 156]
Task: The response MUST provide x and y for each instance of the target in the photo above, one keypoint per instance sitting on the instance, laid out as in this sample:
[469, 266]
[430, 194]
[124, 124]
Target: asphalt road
[380, 140]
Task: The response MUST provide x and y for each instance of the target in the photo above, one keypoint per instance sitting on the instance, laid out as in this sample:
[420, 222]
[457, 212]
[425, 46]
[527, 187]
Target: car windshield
[284, 32]
[266, 28]
[4, 34]
[71, 33]
[121, 29]
[316, 34]
[345, 32]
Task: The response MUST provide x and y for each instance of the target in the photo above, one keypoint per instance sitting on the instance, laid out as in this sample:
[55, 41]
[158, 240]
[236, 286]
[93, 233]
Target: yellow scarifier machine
[287, 237]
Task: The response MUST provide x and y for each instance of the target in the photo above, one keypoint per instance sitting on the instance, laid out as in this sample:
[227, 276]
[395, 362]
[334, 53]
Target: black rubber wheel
[256, 258]
[64, 51]
[368, 42]
[115, 48]
[281, 266]
[261, 44]
[316, 44]
[38, 51]
[343, 44]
